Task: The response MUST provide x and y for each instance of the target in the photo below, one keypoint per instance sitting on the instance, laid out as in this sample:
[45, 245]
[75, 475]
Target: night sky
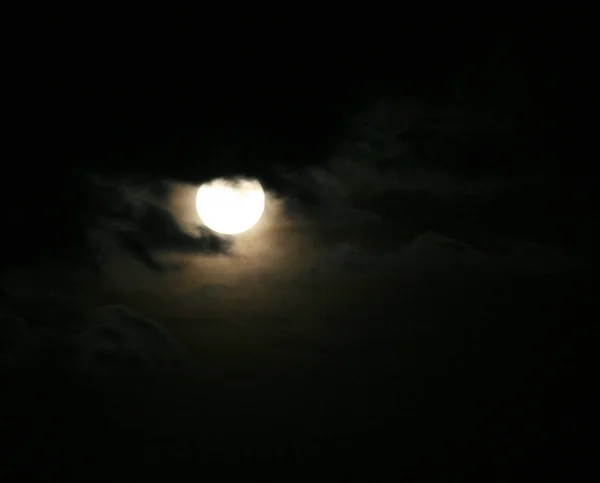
[417, 299]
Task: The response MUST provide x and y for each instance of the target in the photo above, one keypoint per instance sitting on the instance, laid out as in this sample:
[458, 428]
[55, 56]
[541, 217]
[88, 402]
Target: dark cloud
[89, 215]
[117, 339]
[375, 205]
[380, 344]
[101, 341]
[378, 183]
[432, 253]
[133, 216]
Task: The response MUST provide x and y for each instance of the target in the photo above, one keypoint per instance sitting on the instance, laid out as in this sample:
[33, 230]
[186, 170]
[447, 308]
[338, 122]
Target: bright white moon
[230, 207]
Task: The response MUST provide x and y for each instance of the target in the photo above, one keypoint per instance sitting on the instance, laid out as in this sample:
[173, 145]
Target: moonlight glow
[230, 207]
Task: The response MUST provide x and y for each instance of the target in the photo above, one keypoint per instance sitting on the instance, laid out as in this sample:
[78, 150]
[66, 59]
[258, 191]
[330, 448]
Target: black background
[160, 101]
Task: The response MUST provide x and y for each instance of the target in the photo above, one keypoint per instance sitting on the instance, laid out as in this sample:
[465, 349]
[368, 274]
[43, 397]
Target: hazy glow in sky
[230, 207]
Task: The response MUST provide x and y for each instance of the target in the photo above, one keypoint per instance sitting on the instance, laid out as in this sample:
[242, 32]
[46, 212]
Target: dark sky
[495, 100]
[414, 289]
[127, 93]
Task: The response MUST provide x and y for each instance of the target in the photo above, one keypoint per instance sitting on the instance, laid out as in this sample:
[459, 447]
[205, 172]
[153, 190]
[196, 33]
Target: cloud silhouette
[134, 217]
[433, 252]
[114, 339]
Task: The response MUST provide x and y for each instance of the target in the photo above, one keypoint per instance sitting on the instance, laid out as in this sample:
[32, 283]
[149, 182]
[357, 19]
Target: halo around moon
[230, 207]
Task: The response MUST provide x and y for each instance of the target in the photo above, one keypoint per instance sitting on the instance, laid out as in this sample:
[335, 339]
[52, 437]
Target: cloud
[365, 222]
[433, 252]
[374, 178]
[375, 160]
[104, 340]
[366, 216]
[376, 187]
[134, 217]
[115, 338]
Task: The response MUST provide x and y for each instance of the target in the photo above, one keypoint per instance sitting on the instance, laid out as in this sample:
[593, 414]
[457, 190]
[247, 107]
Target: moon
[230, 207]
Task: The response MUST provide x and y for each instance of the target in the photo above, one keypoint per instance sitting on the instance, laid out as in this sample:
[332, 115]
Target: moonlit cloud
[335, 242]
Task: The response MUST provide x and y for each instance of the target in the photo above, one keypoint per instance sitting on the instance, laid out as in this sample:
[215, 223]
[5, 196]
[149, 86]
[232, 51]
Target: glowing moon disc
[230, 207]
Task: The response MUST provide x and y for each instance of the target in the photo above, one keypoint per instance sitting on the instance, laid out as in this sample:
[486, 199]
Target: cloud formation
[106, 341]
[114, 338]
[134, 217]
[368, 220]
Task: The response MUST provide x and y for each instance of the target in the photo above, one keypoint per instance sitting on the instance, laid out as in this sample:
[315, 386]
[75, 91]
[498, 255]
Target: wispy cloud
[134, 216]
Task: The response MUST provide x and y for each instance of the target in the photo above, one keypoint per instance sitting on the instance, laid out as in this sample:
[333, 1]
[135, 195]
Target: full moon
[230, 207]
